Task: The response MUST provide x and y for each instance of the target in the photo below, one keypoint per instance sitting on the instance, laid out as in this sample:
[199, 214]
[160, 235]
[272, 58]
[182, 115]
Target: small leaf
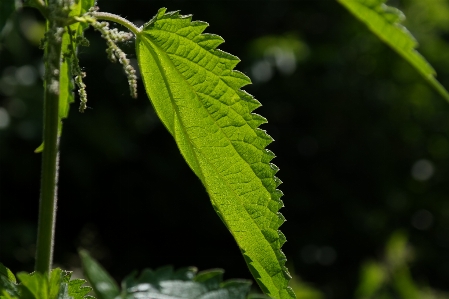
[8, 282]
[6, 272]
[41, 286]
[196, 93]
[385, 22]
[35, 284]
[103, 284]
[77, 290]
[7, 287]
[55, 283]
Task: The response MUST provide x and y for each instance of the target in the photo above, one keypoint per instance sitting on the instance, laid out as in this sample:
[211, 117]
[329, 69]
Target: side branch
[116, 19]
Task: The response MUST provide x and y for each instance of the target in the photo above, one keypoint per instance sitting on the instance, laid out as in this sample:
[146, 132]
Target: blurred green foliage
[391, 277]
[361, 139]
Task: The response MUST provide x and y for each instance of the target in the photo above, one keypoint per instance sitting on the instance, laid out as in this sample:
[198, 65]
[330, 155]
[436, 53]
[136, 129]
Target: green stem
[117, 19]
[50, 156]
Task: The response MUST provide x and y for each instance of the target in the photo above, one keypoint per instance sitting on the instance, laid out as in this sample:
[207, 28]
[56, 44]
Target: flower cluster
[112, 36]
[78, 75]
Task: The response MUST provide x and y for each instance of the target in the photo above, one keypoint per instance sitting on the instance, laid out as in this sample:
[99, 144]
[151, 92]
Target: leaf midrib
[190, 141]
[190, 41]
[196, 94]
[151, 44]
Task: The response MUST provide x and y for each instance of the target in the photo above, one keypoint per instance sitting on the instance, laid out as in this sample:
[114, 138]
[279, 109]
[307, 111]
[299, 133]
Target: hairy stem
[116, 19]
[50, 156]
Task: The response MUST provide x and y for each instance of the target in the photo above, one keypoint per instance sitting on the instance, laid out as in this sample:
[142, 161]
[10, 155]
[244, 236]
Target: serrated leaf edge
[276, 193]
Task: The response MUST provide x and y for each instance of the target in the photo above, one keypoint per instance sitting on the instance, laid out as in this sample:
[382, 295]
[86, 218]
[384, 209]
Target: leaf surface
[385, 22]
[7, 273]
[41, 286]
[165, 283]
[196, 93]
[35, 284]
[8, 285]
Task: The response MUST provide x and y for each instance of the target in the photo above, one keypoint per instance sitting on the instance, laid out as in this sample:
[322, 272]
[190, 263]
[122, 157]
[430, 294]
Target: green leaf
[77, 290]
[7, 7]
[55, 283]
[164, 283]
[41, 286]
[6, 272]
[35, 284]
[8, 282]
[104, 286]
[196, 93]
[372, 276]
[385, 22]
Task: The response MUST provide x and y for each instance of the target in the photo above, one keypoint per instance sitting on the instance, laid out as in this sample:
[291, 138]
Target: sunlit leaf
[77, 289]
[35, 285]
[196, 93]
[385, 22]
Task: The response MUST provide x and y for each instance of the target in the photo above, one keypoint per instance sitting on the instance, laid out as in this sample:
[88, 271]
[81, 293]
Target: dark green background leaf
[165, 283]
[104, 286]
[7, 7]
[385, 22]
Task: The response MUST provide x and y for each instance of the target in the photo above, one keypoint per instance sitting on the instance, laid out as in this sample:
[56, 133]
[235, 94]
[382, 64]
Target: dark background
[361, 141]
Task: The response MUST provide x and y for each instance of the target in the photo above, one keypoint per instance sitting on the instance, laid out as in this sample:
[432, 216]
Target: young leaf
[8, 285]
[385, 22]
[41, 286]
[7, 273]
[76, 290]
[35, 284]
[103, 285]
[196, 93]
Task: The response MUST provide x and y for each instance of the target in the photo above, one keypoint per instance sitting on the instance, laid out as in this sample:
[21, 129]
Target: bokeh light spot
[422, 220]
[422, 170]
[262, 71]
[4, 118]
